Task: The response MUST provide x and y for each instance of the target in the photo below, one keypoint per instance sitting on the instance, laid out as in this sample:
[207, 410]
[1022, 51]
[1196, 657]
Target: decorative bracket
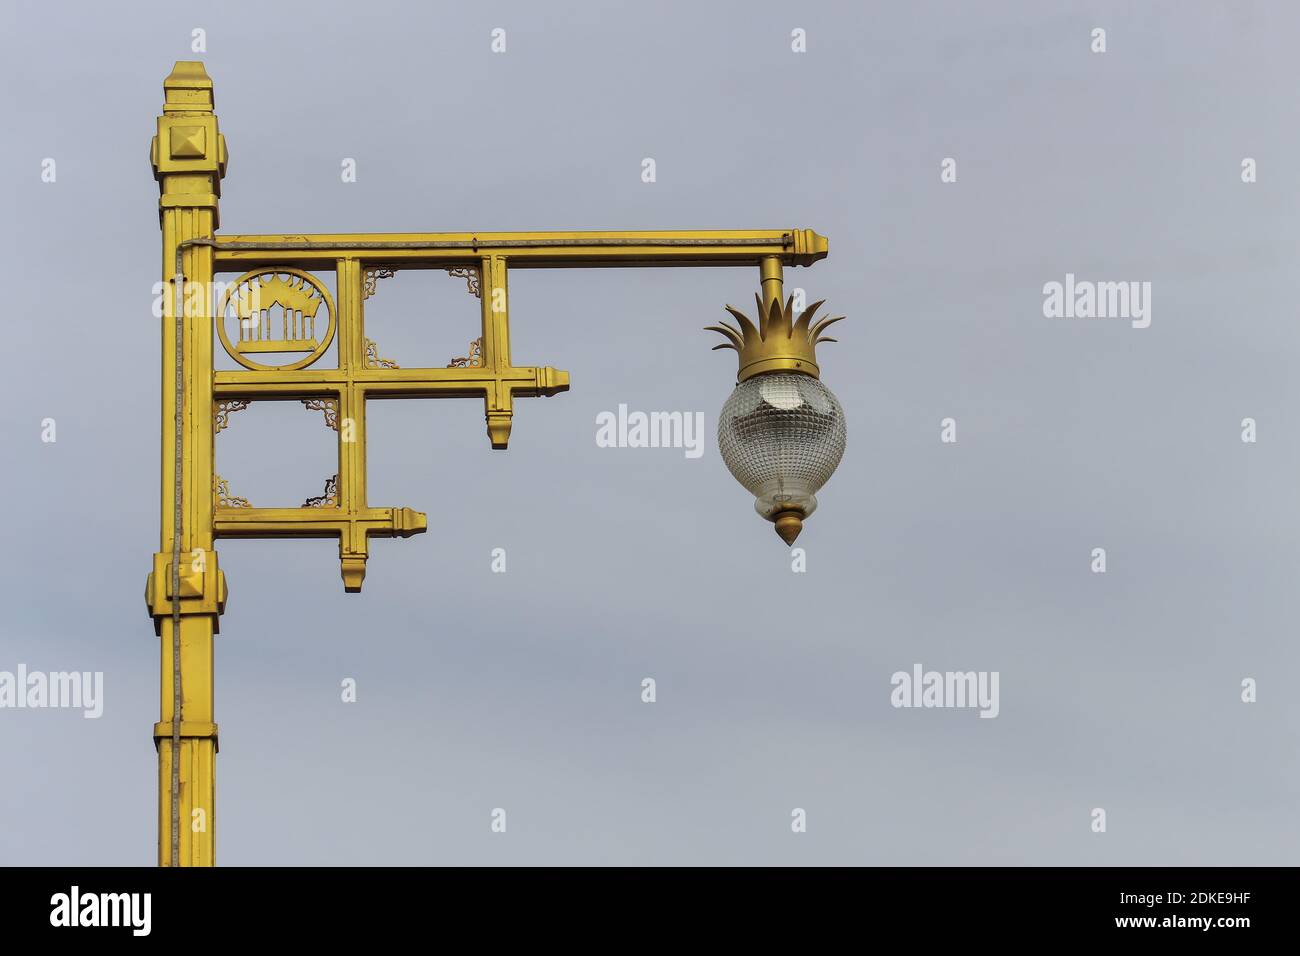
[329, 498]
[330, 406]
[473, 360]
[225, 409]
[372, 357]
[370, 279]
[471, 276]
[221, 489]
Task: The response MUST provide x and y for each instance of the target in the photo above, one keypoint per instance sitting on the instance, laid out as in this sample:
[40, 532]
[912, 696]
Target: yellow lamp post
[277, 319]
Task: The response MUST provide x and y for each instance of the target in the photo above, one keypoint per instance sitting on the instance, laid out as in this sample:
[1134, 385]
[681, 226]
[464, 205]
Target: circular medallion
[275, 313]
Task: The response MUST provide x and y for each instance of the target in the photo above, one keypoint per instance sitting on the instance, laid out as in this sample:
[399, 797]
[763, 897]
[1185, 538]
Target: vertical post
[499, 403]
[769, 275]
[189, 159]
[351, 422]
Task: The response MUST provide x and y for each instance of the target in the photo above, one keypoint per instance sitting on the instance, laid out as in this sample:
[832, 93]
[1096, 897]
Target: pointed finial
[788, 525]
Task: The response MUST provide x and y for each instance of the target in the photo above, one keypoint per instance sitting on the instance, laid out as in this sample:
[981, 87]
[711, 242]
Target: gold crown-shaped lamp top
[778, 343]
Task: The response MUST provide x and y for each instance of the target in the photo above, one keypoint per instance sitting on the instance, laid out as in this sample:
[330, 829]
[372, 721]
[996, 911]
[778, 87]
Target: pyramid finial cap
[188, 88]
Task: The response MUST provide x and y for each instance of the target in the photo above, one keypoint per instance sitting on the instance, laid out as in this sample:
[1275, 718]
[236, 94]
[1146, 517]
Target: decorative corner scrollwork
[329, 406]
[221, 489]
[221, 414]
[372, 357]
[370, 279]
[473, 360]
[329, 498]
[471, 276]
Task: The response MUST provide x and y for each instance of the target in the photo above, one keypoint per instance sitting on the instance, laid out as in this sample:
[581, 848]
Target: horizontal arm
[722, 247]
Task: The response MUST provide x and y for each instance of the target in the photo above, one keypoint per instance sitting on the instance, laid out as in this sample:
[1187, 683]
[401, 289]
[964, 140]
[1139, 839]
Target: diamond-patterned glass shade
[782, 435]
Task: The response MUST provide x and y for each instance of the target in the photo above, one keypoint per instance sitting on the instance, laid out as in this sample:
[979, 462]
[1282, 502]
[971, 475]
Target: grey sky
[522, 690]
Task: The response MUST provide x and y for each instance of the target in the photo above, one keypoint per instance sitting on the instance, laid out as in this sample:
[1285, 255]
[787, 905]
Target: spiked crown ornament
[777, 342]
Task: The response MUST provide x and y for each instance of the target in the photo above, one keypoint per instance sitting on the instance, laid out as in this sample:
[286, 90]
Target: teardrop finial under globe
[788, 524]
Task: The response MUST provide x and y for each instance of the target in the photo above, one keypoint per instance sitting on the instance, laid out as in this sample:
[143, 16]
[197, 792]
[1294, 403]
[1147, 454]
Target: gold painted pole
[188, 156]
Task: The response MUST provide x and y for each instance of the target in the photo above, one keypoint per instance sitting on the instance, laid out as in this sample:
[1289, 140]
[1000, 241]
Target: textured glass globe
[782, 435]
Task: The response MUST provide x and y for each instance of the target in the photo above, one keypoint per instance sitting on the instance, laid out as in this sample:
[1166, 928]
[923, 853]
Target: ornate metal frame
[186, 590]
